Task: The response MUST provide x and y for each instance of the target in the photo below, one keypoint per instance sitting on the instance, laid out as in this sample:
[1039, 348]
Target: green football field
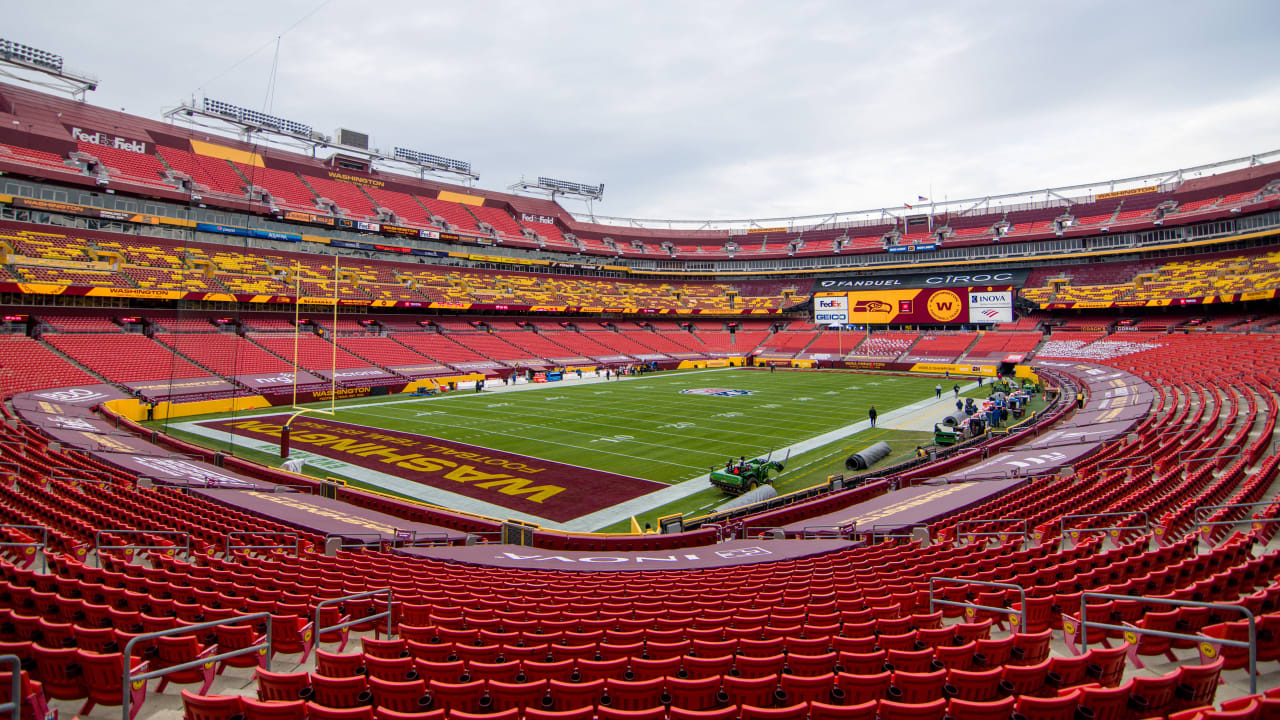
[645, 426]
[667, 427]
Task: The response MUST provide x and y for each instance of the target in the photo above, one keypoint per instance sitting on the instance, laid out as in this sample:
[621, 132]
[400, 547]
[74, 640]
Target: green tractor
[736, 478]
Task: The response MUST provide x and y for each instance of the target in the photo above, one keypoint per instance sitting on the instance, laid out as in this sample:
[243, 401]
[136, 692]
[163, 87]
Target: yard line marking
[580, 447]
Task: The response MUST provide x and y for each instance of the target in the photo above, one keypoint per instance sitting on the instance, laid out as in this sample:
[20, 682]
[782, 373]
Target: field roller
[865, 458]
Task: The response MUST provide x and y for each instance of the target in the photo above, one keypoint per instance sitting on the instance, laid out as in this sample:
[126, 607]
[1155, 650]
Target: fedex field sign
[97, 137]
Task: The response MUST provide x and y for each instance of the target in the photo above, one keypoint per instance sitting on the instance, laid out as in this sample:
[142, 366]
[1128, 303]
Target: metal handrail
[375, 542]
[1062, 523]
[315, 627]
[823, 531]
[1242, 521]
[97, 541]
[1202, 511]
[128, 677]
[1199, 637]
[418, 539]
[1183, 454]
[78, 480]
[1102, 465]
[66, 469]
[1026, 528]
[14, 706]
[902, 526]
[44, 542]
[1022, 596]
[228, 547]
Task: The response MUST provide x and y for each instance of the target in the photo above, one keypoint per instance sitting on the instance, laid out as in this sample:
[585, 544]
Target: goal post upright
[333, 344]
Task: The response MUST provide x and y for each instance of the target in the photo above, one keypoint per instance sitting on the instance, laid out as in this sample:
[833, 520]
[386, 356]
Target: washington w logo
[716, 392]
[944, 306]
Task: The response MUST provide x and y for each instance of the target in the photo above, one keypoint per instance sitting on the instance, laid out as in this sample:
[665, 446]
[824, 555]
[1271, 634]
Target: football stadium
[300, 427]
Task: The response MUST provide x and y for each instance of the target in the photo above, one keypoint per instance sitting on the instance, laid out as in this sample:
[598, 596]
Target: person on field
[872, 414]
[937, 389]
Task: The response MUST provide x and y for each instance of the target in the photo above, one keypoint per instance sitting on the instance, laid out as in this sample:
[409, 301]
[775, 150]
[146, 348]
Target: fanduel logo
[73, 395]
[114, 141]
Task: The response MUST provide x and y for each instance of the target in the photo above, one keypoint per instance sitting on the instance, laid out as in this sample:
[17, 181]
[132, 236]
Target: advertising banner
[1023, 462]
[922, 306]
[184, 389]
[279, 382]
[984, 279]
[358, 376]
[990, 307]
[105, 443]
[831, 310]
[917, 504]
[726, 554]
[179, 471]
[59, 421]
[83, 396]
[1071, 434]
[322, 515]
[422, 371]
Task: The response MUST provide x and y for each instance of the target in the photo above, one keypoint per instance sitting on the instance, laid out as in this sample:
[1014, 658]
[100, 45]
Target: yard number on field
[614, 439]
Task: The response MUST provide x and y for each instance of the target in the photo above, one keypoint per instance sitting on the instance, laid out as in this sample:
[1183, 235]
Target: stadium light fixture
[30, 56]
[249, 117]
[47, 65]
[434, 162]
[552, 188]
[565, 187]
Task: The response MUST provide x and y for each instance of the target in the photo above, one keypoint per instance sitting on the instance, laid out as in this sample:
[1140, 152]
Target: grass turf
[645, 427]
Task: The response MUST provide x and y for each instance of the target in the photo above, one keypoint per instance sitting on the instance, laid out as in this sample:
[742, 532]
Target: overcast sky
[706, 109]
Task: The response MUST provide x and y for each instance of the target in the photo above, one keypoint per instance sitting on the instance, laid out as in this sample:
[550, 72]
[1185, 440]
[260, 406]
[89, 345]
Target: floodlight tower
[553, 188]
[43, 68]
